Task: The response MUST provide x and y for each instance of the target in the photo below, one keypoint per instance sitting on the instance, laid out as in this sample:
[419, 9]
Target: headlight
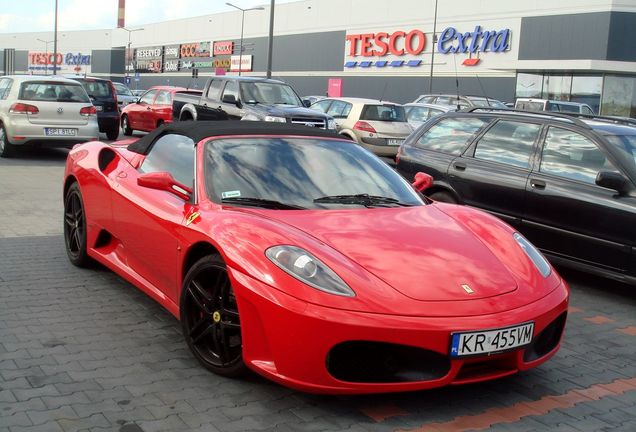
[331, 124]
[533, 253]
[275, 119]
[307, 268]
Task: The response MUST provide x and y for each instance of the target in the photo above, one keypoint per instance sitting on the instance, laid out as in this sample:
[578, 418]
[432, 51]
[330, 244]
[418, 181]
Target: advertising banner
[71, 63]
[171, 52]
[223, 48]
[149, 59]
[245, 63]
[195, 49]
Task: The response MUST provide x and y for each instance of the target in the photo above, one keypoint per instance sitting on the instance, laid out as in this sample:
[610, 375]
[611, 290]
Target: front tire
[126, 126]
[7, 149]
[210, 317]
[75, 227]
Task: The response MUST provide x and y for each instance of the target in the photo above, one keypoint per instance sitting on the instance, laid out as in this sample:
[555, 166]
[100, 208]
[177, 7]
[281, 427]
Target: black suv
[104, 97]
[568, 183]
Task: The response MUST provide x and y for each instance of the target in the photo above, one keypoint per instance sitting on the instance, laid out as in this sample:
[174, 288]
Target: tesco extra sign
[381, 44]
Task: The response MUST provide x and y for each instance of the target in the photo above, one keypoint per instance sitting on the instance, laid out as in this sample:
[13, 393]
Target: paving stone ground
[82, 350]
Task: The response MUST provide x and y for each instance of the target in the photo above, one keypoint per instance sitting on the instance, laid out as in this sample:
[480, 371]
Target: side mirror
[612, 180]
[165, 182]
[306, 103]
[422, 181]
[228, 98]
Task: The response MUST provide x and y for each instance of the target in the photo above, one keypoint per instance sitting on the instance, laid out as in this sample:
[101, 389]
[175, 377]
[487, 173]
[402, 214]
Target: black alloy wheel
[126, 126]
[75, 227]
[6, 148]
[210, 317]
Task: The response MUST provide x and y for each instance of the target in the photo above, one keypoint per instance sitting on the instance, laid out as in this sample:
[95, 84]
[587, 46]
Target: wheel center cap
[216, 316]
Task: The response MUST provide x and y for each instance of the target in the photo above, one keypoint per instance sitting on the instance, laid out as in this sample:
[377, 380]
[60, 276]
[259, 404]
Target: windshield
[122, 90]
[296, 171]
[482, 103]
[97, 89]
[269, 94]
[52, 91]
[390, 113]
[627, 146]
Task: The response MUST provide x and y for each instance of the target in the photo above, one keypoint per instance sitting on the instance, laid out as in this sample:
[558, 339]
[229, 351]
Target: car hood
[420, 251]
[284, 111]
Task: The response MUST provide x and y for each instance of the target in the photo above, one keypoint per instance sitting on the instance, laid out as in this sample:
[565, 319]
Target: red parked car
[287, 250]
[153, 109]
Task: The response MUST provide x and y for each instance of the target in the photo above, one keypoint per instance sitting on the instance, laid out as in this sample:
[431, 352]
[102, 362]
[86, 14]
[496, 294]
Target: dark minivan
[104, 97]
[568, 183]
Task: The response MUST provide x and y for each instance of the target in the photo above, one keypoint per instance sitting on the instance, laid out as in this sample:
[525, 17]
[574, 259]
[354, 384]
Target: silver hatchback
[44, 111]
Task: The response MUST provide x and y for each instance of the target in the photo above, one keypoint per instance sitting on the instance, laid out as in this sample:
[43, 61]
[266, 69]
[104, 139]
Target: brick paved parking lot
[84, 350]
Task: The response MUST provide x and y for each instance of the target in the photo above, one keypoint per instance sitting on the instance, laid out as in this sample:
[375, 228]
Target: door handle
[537, 184]
[459, 166]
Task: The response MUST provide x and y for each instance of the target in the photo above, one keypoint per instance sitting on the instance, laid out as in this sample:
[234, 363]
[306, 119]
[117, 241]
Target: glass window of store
[587, 90]
[557, 87]
[529, 85]
[619, 96]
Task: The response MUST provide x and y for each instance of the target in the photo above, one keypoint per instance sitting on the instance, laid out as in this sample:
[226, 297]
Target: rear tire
[126, 126]
[445, 197]
[7, 149]
[113, 134]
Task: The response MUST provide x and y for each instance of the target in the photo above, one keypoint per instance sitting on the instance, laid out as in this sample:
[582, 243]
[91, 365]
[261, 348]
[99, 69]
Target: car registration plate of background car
[60, 132]
[395, 142]
[99, 108]
[491, 341]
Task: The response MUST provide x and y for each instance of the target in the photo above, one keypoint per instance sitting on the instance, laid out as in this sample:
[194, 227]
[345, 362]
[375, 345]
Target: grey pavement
[83, 350]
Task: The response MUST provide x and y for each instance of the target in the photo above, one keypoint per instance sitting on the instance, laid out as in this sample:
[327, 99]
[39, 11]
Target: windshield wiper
[362, 199]
[261, 202]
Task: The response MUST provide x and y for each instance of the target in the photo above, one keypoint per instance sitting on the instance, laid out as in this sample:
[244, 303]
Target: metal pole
[430, 84]
[55, 43]
[270, 40]
[241, 44]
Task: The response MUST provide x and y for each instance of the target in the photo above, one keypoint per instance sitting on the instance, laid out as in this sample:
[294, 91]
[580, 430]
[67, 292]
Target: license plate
[490, 341]
[395, 142]
[99, 108]
[59, 132]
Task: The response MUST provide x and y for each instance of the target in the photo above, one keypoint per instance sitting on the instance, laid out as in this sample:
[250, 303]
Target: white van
[530, 104]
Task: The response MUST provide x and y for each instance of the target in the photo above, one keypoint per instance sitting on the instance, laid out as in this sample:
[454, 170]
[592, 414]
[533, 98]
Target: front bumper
[293, 342]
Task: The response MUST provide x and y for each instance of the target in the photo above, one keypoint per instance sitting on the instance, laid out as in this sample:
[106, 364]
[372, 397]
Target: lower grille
[547, 340]
[380, 362]
[311, 122]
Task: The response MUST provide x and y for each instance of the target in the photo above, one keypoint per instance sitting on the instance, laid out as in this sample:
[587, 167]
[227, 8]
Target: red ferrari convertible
[297, 254]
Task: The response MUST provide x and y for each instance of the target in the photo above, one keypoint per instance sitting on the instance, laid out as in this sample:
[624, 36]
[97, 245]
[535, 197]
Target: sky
[38, 15]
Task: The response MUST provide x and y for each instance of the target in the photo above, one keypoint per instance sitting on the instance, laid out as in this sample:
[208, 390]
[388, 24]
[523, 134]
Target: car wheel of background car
[443, 197]
[112, 134]
[75, 227]
[125, 126]
[210, 317]
[6, 148]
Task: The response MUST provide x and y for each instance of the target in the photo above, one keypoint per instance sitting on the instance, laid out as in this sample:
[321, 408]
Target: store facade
[579, 50]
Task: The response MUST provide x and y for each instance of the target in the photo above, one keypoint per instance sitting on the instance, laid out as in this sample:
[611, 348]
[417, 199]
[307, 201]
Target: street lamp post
[430, 84]
[129, 51]
[46, 50]
[55, 42]
[242, 25]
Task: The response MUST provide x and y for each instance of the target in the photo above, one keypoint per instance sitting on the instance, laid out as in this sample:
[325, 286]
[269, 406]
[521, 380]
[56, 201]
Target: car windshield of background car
[52, 92]
[484, 103]
[122, 90]
[296, 171]
[98, 89]
[390, 113]
[269, 94]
